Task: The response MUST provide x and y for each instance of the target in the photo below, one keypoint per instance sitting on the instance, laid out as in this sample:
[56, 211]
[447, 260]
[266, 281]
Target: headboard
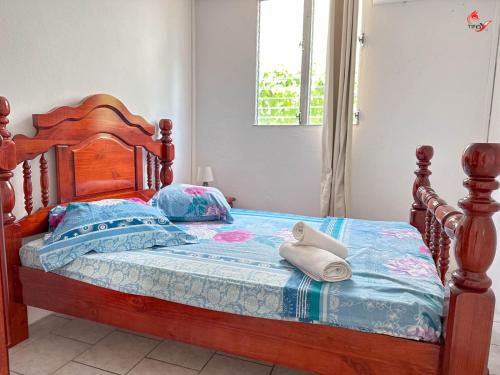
[99, 153]
[99, 148]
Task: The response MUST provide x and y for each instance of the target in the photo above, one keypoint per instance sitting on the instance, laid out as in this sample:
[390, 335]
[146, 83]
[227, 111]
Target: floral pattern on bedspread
[236, 268]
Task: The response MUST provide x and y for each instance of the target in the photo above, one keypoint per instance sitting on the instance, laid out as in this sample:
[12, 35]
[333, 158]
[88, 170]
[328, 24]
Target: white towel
[308, 236]
[318, 264]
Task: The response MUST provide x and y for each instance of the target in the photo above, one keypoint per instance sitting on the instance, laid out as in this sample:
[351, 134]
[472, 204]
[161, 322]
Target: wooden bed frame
[99, 148]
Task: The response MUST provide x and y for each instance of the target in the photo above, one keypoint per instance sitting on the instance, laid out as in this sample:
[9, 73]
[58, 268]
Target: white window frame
[305, 77]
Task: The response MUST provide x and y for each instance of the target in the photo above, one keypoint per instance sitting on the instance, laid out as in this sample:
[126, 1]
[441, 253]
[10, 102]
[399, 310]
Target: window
[292, 48]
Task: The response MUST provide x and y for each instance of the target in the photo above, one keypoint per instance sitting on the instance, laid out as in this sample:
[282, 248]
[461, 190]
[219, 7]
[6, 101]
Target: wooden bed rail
[469, 318]
[431, 215]
[441, 221]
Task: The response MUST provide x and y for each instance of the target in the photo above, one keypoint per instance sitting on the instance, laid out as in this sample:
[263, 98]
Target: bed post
[471, 307]
[16, 314]
[418, 209]
[167, 153]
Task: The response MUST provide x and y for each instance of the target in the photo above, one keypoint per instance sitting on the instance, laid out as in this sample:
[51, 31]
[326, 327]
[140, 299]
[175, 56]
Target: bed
[232, 292]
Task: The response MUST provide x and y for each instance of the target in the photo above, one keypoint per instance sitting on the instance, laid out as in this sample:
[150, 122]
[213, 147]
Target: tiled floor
[62, 345]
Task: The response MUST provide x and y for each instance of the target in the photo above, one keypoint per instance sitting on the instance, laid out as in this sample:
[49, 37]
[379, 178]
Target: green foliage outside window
[279, 98]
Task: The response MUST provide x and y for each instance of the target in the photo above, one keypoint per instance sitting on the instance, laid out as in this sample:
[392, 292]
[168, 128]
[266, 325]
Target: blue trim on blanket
[252, 213]
[301, 294]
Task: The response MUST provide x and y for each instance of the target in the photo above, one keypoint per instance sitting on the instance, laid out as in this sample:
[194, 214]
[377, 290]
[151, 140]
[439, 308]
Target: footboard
[469, 318]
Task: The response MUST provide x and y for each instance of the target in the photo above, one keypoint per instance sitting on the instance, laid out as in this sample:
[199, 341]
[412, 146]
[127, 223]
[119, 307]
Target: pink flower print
[234, 236]
[402, 233]
[195, 190]
[424, 332]
[137, 200]
[411, 266]
[424, 250]
[214, 210]
[56, 220]
[285, 234]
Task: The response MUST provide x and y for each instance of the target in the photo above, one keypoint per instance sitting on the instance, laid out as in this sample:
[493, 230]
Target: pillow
[107, 226]
[56, 215]
[181, 202]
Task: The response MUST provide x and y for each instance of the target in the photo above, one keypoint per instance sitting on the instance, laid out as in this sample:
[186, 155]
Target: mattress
[236, 268]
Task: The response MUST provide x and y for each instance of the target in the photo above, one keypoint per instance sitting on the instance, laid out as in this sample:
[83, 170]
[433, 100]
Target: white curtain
[337, 132]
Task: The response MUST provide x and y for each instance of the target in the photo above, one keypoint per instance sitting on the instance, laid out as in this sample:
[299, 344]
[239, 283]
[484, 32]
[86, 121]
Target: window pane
[318, 61]
[280, 57]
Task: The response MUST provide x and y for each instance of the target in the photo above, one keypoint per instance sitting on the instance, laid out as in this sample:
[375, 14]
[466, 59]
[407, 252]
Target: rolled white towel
[308, 236]
[318, 264]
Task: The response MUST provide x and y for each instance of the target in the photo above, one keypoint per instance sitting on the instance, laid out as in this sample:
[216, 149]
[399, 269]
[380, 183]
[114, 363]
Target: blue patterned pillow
[107, 226]
[56, 215]
[181, 202]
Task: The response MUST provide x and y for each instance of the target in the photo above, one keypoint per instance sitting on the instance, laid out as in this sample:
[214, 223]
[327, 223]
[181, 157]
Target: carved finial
[4, 121]
[471, 305]
[7, 163]
[476, 235]
[424, 155]
[166, 130]
[482, 160]
[167, 153]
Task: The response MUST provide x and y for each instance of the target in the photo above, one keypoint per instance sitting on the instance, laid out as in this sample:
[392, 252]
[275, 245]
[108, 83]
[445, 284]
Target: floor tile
[222, 365]
[40, 329]
[140, 334]
[245, 358]
[46, 325]
[177, 353]
[279, 370]
[495, 334]
[45, 355]
[64, 316]
[118, 352]
[74, 368]
[494, 362]
[153, 367]
[83, 330]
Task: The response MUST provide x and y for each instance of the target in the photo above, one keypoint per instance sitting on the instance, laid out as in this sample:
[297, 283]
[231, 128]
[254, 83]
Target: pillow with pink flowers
[181, 202]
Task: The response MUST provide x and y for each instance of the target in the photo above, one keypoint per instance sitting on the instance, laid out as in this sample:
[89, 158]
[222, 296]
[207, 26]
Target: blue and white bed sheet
[236, 268]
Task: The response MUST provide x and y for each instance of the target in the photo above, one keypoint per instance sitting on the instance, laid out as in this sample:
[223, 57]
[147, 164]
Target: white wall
[56, 52]
[271, 168]
[425, 79]
[494, 136]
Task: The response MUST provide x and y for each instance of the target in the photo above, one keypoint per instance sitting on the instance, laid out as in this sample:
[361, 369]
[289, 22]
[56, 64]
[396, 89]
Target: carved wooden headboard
[99, 149]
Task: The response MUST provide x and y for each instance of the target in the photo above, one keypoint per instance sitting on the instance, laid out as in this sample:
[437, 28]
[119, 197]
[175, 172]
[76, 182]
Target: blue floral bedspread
[236, 268]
